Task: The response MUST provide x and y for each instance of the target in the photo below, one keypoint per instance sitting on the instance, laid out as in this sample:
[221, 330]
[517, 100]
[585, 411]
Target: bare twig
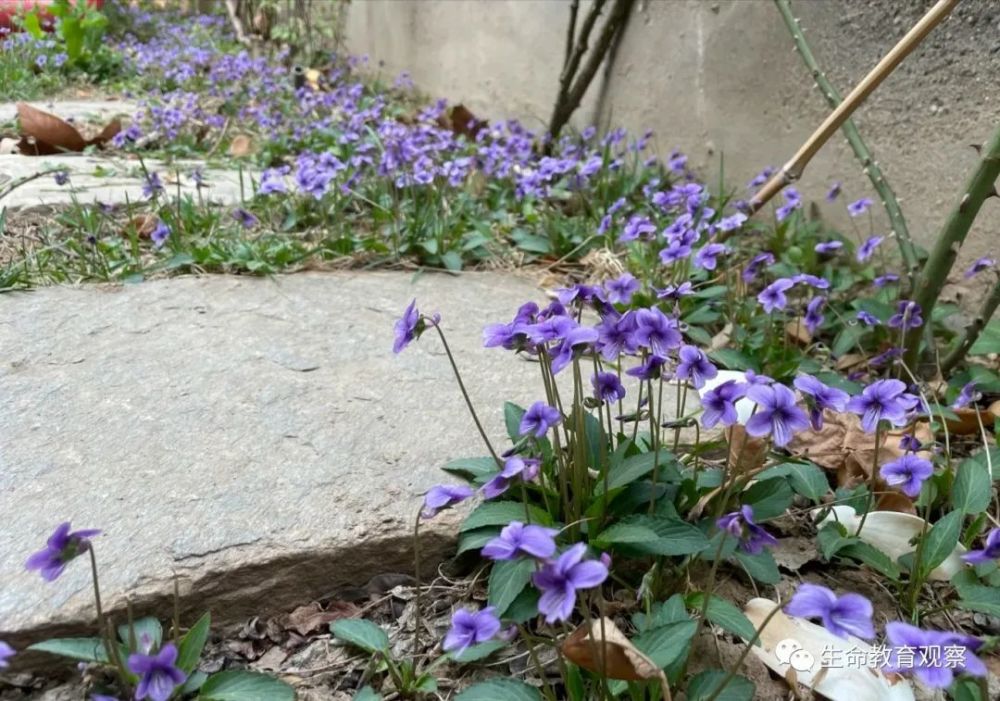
[793, 169]
[971, 332]
[235, 10]
[858, 145]
[574, 9]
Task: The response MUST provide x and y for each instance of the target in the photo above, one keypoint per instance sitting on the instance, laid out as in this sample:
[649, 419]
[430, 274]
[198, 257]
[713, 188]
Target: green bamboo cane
[942, 257]
[858, 145]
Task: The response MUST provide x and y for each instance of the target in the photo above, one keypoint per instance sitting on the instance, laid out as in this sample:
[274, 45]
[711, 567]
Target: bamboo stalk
[971, 332]
[857, 143]
[942, 257]
[793, 169]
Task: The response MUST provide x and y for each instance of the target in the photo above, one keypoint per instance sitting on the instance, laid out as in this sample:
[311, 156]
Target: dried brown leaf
[311, 618]
[797, 332]
[241, 146]
[46, 134]
[600, 647]
[746, 453]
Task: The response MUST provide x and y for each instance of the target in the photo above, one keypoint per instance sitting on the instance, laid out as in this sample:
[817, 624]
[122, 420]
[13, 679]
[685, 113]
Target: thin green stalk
[857, 144]
[416, 577]
[942, 257]
[871, 487]
[971, 332]
[746, 651]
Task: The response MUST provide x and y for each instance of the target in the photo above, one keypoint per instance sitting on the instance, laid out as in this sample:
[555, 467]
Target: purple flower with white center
[867, 319]
[907, 316]
[656, 331]
[981, 264]
[756, 263]
[538, 419]
[62, 547]
[740, 525]
[620, 290]
[675, 292]
[405, 329]
[829, 247]
[518, 539]
[561, 579]
[584, 294]
[966, 396]
[637, 227]
[990, 551]
[814, 318]
[676, 250]
[442, 496]
[859, 207]
[41, 60]
[152, 185]
[607, 387]
[650, 369]
[909, 443]
[777, 414]
[705, 257]
[834, 191]
[908, 472]
[245, 219]
[850, 614]
[719, 403]
[883, 280]
[61, 177]
[158, 674]
[732, 222]
[574, 341]
[820, 396]
[773, 296]
[695, 366]
[614, 335]
[514, 467]
[867, 249]
[918, 652]
[6, 652]
[883, 400]
[470, 628]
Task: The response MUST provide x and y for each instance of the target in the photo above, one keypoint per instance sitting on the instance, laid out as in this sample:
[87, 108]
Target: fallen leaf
[312, 617]
[746, 453]
[796, 331]
[600, 647]
[462, 122]
[812, 643]
[142, 225]
[47, 134]
[850, 360]
[241, 146]
[967, 423]
[106, 134]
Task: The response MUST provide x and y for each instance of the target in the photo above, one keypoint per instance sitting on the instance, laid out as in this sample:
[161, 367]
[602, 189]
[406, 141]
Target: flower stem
[871, 486]
[746, 651]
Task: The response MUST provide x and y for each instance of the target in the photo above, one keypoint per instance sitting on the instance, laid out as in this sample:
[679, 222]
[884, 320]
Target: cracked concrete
[254, 436]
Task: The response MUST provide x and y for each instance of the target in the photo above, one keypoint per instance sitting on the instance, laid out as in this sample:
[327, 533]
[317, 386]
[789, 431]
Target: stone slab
[83, 111]
[112, 180]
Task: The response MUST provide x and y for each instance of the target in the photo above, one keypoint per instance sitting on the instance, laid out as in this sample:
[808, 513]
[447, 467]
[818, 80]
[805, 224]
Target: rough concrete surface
[75, 111]
[722, 78]
[254, 436]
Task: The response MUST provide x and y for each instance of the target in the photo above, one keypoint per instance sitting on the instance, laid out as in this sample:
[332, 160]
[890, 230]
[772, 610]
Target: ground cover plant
[711, 381]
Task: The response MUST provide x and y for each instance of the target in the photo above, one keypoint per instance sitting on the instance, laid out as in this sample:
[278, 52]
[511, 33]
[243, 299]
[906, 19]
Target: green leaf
[478, 652]
[966, 690]
[512, 414]
[72, 34]
[148, 626]
[195, 681]
[769, 498]
[500, 513]
[988, 341]
[240, 685]
[972, 489]
[847, 339]
[472, 469]
[941, 541]
[193, 643]
[531, 242]
[976, 597]
[665, 644]
[367, 694]
[808, 480]
[761, 567]
[832, 540]
[452, 260]
[32, 25]
[733, 359]
[500, 690]
[86, 649]
[474, 540]
[507, 579]
[670, 611]
[638, 466]
[723, 614]
[524, 607]
[360, 633]
[871, 556]
[703, 686]
[624, 532]
[675, 537]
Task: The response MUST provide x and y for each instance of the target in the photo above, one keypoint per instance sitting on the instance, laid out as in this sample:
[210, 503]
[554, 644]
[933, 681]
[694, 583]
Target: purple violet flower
[793, 201]
[61, 177]
[152, 185]
[859, 207]
[620, 290]
[719, 403]
[909, 443]
[607, 387]
[882, 400]
[405, 329]
[538, 419]
[648, 370]
[740, 525]
[814, 318]
[6, 652]
[519, 539]
[777, 414]
[756, 263]
[160, 234]
[866, 249]
[834, 191]
[158, 674]
[470, 628]
[61, 547]
[760, 178]
[656, 331]
[867, 319]
[978, 266]
[829, 247]
[820, 396]
[813, 281]
[907, 316]
[514, 467]
[919, 652]
[732, 222]
[695, 366]
[883, 280]
[675, 292]
[559, 581]
[245, 219]
[773, 296]
[850, 614]
[442, 496]
[907, 472]
[990, 551]
[705, 257]
[966, 396]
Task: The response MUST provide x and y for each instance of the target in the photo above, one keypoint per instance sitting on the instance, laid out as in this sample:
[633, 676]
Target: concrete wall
[715, 77]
